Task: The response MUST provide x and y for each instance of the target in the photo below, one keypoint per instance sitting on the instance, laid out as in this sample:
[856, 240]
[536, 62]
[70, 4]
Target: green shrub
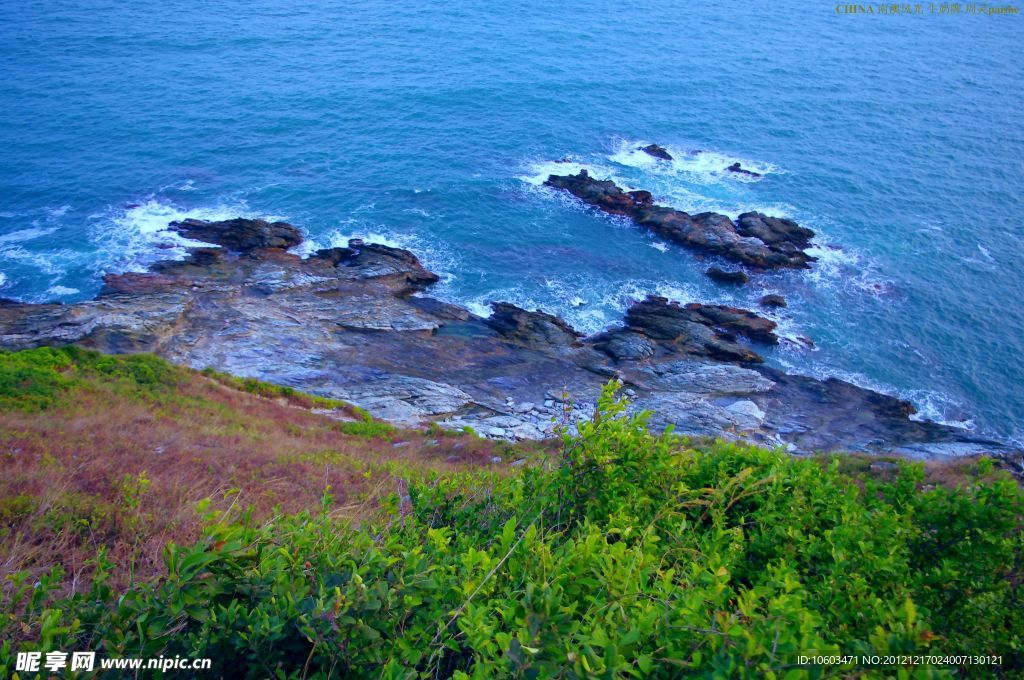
[32, 380]
[367, 428]
[634, 556]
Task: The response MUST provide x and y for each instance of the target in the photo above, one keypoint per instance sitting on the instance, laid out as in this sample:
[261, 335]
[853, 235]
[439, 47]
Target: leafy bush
[35, 379]
[367, 428]
[32, 380]
[634, 555]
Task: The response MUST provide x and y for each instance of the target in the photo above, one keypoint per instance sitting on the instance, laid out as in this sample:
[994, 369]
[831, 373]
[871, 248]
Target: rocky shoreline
[354, 323]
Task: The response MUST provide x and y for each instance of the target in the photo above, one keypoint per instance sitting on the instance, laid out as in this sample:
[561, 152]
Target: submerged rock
[707, 232]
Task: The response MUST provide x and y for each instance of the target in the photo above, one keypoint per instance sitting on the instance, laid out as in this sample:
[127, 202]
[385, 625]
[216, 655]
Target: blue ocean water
[897, 138]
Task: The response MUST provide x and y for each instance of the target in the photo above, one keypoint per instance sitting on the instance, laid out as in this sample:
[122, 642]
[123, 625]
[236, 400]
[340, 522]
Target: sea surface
[432, 125]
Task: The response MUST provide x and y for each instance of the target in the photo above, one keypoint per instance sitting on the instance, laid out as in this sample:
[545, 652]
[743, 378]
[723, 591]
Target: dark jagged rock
[532, 329]
[736, 320]
[772, 301]
[775, 231]
[624, 345]
[694, 329]
[343, 324]
[604, 194]
[642, 197]
[738, 169]
[657, 152]
[723, 276]
[708, 232]
[377, 260]
[335, 255]
[240, 234]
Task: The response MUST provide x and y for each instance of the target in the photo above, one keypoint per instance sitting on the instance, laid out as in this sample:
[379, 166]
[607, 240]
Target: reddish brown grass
[63, 488]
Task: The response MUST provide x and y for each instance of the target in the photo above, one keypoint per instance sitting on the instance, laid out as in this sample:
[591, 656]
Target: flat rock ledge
[355, 323]
[755, 239]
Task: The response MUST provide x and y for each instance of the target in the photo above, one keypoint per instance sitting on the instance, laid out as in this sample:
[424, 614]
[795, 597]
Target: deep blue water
[898, 139]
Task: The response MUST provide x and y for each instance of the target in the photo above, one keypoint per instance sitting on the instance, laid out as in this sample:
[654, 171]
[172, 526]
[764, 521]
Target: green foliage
[36, 379]
[32, 380]
[634, 555]
[367, 428]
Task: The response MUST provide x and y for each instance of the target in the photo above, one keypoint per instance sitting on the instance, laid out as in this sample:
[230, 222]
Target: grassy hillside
[147, 509]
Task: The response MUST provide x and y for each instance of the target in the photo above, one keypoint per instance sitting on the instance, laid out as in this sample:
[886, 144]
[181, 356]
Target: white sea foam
[49, 262]
[28, 234]
[538, 172]
[61, 291]
[703, 164]
[3, 279]
[134, 237]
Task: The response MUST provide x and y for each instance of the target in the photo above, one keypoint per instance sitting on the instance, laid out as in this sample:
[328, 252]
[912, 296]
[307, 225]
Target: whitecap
[418, 211]
[61, 291]
[539, 171]
[703, 164]
[28, 234]
[49, 262]
[137, 236]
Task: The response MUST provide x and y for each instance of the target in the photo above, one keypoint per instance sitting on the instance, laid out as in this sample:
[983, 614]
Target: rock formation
[740, 170]
[722, 276]
[354, 323]
[759, 242]
[657, 152]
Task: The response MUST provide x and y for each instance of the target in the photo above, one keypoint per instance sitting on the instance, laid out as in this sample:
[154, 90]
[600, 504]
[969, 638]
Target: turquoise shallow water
[898, 139]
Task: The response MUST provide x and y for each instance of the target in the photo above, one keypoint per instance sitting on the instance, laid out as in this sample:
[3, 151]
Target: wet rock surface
[355, 323]
[657, 151]
[727, 276]
[706, 232]
[740, 170]
[772, 300]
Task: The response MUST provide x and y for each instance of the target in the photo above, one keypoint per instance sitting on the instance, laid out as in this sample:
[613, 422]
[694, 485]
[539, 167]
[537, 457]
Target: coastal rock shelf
[755, 240]
[354, 323]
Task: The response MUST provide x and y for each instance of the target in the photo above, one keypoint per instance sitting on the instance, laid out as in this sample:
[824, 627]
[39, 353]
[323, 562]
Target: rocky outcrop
[353, 323]
[531, 329]
[695, 330]
[706, 232]
[722, 276]
[240, 234]
[772, 300]
[775, 231]
[657, 152]
[740, 170]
